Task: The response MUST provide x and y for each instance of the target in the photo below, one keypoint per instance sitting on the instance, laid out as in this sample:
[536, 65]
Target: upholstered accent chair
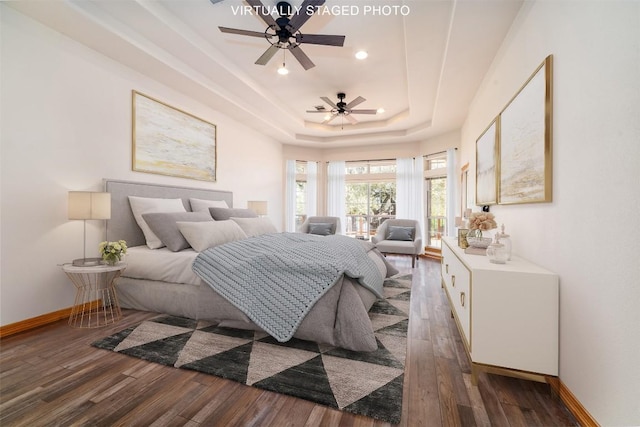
[399, 236]
[322, 225]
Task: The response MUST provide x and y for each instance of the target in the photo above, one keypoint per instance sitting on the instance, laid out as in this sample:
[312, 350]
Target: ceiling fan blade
[259, 8]
[302, 57]
[359, 100]
[215, 1]
[363, 111]
[299, 18]
[333, 116]
[267, 55]
[328, 101]
[242, 32]
[350, 119]
[323, 39]
[318, 111]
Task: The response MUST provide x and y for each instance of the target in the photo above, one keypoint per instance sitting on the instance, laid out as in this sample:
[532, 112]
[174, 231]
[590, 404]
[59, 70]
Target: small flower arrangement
[482, 221]
[112, 252]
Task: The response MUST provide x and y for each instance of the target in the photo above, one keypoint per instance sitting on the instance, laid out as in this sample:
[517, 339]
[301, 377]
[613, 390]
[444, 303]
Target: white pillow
[207, 234]
[255, 226]
[143, 205]
[200, 205]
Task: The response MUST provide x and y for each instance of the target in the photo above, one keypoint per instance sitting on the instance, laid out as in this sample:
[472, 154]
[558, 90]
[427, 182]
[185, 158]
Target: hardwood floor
[52, 376]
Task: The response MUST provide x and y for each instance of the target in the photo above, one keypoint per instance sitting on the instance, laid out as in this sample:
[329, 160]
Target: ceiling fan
[284, 32]
[342, 109]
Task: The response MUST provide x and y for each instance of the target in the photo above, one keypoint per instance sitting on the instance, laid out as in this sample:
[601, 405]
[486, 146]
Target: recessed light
[380, 110]
[361, 54]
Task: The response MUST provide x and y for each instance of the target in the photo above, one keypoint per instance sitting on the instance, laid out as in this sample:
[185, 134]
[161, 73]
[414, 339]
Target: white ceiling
[423, 68]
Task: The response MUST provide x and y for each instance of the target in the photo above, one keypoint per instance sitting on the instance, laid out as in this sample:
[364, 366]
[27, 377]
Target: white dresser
[507, 314]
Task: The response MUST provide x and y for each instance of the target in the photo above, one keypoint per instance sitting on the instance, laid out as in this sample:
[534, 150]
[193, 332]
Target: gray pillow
[321, 228]
[255, 226]
[401, 233]
[206, 235]
[163, 225]
[223, 214]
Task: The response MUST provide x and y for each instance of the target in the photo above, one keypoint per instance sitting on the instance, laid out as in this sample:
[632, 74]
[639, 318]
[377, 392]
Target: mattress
[161, 265]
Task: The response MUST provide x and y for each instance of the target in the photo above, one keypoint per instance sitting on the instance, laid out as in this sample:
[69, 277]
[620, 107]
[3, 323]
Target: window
[301, 192]
[370, 196]
[435, 167]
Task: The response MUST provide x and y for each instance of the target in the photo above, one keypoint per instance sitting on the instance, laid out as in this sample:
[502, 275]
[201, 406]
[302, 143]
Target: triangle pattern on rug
[393, 292]
[351, 380]
[381, 356]
[400, 305]
[164, 351]
[379, 402]
[316, 388]
[396, 345]
[399, 329]
[381, 321]
[150, 331]
[205, 344]
[268, 360]
[231, 364]
[385, 307]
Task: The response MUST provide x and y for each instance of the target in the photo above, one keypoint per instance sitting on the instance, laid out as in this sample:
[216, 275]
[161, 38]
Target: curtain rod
[439, 152]
[369, 160]
[387, 160]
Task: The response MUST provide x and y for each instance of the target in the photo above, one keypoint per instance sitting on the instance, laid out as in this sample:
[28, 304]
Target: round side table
[96, 301]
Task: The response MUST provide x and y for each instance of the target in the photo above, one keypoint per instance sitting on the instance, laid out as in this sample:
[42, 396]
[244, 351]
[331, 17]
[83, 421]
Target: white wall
[589, 233]
[66, 125]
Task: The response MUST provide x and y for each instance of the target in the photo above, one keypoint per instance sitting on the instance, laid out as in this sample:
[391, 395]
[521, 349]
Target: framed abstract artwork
[486, 166]
[168, 141]
[525, 142]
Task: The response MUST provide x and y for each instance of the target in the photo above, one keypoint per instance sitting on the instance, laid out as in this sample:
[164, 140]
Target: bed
[163, 281]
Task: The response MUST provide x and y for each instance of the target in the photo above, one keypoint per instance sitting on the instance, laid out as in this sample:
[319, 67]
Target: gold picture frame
[525, 142]
[169, 141]
[486, 165]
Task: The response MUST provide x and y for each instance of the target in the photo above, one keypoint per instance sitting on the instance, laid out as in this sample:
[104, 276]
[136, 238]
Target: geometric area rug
[365, 383]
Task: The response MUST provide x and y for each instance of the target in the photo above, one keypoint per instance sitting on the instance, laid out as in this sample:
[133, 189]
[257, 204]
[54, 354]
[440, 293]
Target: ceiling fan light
[283, 70]
[361, 54]
[380, 110]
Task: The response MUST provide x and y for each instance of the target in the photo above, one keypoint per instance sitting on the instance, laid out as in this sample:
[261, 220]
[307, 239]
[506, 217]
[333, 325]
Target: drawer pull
[453, 280]
[462, 298]
[446, 267]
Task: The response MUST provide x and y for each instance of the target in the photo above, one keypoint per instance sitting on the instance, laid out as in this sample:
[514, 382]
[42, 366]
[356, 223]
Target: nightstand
[96, 301]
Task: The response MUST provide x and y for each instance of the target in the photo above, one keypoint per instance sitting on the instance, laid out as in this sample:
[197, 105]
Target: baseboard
[35, 322]
[572, 403]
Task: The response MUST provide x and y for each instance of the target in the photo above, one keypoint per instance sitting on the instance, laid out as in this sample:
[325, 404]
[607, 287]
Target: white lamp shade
[258, 206]
[89, 205]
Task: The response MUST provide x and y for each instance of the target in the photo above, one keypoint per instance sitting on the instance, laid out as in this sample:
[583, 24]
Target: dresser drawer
[457, 283]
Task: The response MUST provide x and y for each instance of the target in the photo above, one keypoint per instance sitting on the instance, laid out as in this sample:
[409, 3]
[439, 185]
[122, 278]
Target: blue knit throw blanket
[275, 279]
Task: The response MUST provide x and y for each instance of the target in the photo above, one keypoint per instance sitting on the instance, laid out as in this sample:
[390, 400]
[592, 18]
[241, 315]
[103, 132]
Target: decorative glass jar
[505, 239]
[497, 252]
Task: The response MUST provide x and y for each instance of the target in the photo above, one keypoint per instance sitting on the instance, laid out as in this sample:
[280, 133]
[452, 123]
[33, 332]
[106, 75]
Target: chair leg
[413, 261]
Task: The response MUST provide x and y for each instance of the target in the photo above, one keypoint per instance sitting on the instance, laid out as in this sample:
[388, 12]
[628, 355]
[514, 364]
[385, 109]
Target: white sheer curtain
[451, 191]
[336, 197]
[312, 189]
[290, 196]
[410, 190]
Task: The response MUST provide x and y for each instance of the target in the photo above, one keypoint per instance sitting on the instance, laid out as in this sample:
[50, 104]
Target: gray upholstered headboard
[122, 224]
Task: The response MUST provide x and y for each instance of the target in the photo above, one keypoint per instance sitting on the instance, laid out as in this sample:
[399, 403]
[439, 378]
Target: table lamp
[86, 205]
[258, 206]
